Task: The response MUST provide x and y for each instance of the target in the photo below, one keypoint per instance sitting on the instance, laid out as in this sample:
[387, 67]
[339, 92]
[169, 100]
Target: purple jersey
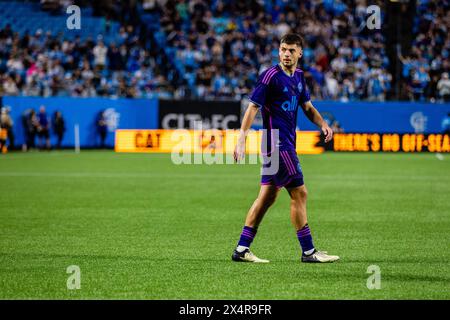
[278, 95]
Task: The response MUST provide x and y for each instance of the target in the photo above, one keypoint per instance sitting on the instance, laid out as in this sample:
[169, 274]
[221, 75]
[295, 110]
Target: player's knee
[304, 192]
[301, 193]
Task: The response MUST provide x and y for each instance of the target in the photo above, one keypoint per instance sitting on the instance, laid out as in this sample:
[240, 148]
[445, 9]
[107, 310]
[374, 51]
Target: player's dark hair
[292, 38]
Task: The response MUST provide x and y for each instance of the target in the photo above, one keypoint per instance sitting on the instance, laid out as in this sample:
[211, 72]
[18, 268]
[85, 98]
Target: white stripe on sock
[241, 248]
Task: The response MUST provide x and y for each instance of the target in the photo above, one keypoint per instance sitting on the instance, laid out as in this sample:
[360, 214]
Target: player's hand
[327, 132]
[239, 151]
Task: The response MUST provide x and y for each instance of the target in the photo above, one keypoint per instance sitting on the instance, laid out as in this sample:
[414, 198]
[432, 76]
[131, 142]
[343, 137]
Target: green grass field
[140, 227]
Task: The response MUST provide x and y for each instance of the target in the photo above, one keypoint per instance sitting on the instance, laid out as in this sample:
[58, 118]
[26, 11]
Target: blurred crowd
[425, 71]
[42, 64]
[226, 45]
[219, 47]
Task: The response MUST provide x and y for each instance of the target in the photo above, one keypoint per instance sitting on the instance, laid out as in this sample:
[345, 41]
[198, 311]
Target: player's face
[289, 54]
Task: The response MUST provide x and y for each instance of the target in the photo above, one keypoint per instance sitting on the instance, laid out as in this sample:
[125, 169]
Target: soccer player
[278, 92]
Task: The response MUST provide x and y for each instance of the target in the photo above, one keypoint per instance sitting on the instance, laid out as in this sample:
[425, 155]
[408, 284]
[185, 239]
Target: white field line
[226, 175]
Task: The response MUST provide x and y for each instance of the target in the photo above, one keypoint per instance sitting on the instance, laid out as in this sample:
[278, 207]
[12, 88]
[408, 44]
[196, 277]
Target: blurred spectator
[43, 129]
[332, 86]
[102, 128]
[7, 124]
[30, 124]
[376, 87]
[59, 127]
[100, 51]
[419, 84]
[443, 86]
[10, 87]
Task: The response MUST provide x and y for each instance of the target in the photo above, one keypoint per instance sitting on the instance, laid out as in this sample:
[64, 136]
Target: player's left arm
[315, 117]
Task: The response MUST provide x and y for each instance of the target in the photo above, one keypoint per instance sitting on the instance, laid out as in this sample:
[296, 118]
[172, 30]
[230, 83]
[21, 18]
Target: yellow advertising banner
[391, 142]
[220, 141]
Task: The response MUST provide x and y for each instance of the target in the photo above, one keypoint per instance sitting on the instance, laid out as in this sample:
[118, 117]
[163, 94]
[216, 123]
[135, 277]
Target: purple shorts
[289, 174]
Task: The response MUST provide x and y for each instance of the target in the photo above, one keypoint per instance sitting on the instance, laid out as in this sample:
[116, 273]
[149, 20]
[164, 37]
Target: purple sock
[305, 238]
[247, 236]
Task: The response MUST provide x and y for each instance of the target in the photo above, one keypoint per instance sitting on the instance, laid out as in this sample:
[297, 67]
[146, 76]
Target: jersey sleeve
[258, 96]
[304, 94]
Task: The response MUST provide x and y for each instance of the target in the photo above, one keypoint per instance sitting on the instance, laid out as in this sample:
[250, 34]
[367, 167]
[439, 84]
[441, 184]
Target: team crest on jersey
[300, 87]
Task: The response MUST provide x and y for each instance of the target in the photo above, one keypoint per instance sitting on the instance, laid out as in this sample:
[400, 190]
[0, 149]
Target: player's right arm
[249, 116]
[257, 100]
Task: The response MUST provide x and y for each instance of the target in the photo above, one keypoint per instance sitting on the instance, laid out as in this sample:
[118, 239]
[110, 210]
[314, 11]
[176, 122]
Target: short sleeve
[258, 96]
[304, 94]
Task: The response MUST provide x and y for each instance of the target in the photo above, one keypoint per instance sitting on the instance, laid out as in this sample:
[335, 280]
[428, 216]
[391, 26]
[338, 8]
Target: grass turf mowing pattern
[140, 227]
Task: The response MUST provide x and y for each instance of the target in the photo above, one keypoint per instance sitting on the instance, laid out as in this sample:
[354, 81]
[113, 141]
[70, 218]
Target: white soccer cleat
[320, 257]
[247, 256]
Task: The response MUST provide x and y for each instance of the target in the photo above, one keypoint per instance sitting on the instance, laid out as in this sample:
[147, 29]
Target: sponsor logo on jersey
[290, 105]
